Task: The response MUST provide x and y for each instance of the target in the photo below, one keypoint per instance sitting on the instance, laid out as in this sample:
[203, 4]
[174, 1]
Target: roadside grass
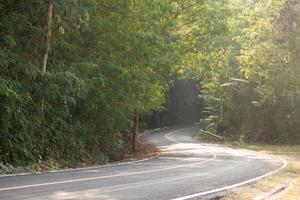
[274, 149]
[293, 193]
[284, 185]
[267, 148]
[44, 166]
[35, 167]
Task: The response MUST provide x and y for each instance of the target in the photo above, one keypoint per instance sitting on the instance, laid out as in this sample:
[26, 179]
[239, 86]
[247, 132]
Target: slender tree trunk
[48, 36]
[47, 45]
[135, 131]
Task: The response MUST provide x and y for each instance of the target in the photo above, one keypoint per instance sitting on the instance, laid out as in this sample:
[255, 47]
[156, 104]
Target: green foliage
[257, 86]
[108, 60]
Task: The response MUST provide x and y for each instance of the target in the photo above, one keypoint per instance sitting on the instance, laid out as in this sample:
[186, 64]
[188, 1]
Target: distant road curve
[186, 169]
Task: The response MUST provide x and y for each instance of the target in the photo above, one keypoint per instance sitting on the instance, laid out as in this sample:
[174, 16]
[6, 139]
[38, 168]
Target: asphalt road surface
[186, 169]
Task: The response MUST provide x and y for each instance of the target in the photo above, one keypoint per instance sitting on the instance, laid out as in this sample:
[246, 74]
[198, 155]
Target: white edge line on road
[156, 155]
[98, 166]
[285, 163]
[108, 176]
[87, 168]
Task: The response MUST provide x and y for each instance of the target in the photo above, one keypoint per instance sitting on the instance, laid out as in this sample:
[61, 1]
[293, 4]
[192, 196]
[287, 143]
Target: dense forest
[77, 76]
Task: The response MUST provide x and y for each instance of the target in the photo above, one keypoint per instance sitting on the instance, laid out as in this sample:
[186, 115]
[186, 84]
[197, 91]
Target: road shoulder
[144, 152]
[284, 185]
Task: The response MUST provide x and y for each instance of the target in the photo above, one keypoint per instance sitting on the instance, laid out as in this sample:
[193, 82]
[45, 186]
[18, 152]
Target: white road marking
[108, 176]
[85, 168]
[99, 166]
[153, 182]
[120, 187]
[284, 165]
[169, 136]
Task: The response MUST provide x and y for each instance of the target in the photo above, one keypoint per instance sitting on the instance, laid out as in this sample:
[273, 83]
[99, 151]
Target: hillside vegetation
[76, 77]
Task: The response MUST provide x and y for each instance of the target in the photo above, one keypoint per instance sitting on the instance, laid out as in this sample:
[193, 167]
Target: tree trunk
[47, 45]
[48, 36]
[135, 131]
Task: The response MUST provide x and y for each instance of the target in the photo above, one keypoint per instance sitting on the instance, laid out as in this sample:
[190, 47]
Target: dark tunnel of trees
[183, 105]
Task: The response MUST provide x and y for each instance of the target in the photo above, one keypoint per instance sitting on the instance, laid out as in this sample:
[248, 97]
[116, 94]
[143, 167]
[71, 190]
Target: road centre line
[128, 186]
[169, 137]
[284, 164]
[95, 167]
[109, 176]
[92, 167]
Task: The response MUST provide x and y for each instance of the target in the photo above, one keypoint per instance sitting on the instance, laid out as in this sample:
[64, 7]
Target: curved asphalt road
[186, 169]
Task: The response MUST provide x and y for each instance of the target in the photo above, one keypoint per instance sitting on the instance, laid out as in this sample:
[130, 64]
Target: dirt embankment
[144, 150]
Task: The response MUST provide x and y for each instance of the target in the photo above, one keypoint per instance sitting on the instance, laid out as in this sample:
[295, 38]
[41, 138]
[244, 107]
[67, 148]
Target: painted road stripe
[170, 136]
[284, 165]
[99, 166]
[108, 176]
